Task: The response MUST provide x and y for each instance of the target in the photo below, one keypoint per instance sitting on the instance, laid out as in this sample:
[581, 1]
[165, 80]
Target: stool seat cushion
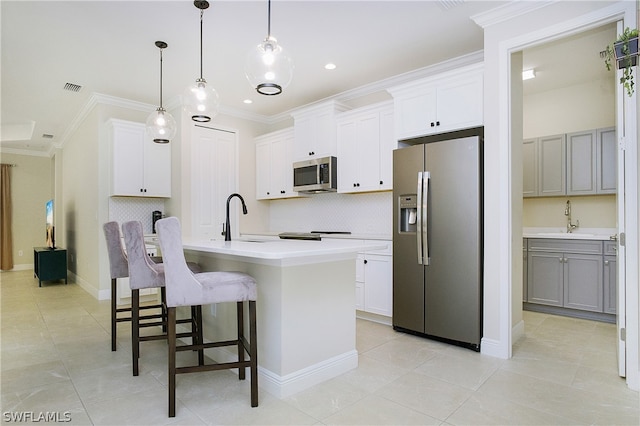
[185, 288]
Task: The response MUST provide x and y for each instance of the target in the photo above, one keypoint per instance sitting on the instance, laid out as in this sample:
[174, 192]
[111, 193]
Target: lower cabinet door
[545, 278]
[583, 287]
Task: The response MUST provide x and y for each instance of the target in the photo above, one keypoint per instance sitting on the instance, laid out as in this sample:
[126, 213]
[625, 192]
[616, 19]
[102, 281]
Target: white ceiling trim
[508, 11]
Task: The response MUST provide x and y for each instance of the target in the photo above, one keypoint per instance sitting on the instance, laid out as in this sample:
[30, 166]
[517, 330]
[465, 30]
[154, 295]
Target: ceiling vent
[72, 87]
[450, 4]
[47, 136]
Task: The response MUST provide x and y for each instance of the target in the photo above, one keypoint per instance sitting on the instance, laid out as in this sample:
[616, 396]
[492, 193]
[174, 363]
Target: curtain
[6, 238]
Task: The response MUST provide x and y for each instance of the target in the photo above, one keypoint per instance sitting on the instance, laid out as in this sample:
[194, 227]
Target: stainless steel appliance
[316, 175]
[437, 238]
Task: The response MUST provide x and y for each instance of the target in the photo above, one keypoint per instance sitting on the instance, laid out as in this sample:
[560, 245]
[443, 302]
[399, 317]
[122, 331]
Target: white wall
[30, 188]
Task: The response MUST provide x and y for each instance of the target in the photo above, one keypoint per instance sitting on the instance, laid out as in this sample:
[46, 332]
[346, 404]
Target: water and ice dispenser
[408, 217]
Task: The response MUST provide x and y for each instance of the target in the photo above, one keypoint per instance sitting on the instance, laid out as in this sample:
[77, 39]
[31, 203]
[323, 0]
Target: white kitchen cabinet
[374, 280]
[315, 131]
[139, 167]
[446, 102]
[274, 172]
[365, 149]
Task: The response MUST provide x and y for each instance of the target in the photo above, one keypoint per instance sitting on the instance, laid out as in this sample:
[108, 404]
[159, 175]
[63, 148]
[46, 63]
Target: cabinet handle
[606, 263]
[561, 259]
[268, 193]
[381, 183]
[354, 185]
[433, 124]
[282, 192]
[311, 153]
[437, 123]
[365, 261]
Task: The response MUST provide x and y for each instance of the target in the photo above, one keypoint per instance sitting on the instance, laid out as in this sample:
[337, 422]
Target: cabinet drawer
[611, 248]
[569, 246]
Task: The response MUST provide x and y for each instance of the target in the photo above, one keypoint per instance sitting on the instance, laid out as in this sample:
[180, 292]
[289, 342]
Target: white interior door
[621, 207]
[213, 179]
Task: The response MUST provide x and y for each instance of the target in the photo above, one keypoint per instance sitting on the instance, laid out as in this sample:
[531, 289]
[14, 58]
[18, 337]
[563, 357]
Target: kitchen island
[305, 309]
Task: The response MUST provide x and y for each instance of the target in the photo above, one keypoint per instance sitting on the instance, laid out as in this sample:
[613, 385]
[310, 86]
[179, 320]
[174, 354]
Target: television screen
[50, 234]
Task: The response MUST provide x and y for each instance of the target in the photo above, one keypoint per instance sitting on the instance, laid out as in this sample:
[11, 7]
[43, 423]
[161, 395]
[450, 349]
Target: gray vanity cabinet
[610, 276]
[565, 273]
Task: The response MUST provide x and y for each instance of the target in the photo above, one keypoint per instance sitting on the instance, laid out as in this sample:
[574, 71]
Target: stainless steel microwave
[316, 175]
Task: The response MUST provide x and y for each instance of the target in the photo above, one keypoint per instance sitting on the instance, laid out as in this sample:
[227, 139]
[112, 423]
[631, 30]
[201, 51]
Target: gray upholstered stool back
[143, 273]
[118, 265]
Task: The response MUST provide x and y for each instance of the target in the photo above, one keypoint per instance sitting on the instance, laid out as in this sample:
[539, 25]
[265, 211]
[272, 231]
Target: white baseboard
[21, 267]
[493, 348]
[284, 386]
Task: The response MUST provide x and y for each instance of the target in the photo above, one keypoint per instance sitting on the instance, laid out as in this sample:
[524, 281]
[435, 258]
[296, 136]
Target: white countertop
[604, 234]
[270, 250]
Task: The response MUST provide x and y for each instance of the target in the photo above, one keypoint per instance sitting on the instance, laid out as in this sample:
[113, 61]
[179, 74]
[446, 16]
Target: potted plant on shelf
[625, 53]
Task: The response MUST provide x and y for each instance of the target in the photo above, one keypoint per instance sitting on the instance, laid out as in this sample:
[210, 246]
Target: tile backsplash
[124, 209]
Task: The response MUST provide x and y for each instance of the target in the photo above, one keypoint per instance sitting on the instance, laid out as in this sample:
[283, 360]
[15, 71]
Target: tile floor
[56, 358]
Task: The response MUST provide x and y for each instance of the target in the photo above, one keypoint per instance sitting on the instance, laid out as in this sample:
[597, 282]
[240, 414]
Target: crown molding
[30, 152]
[508, 11]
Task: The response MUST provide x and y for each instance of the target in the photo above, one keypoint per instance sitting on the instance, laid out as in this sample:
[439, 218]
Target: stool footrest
[208, 345]
[213, 367]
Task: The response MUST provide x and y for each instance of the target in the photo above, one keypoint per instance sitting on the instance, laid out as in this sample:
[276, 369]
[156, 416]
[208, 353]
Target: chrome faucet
[227, 228]
[567, 213]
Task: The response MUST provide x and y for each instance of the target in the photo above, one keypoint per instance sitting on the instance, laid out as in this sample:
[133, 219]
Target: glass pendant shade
[201, 101]
[268, 67]
[161, 126]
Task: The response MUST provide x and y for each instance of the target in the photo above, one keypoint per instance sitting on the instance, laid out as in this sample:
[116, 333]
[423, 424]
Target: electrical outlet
[20, 252]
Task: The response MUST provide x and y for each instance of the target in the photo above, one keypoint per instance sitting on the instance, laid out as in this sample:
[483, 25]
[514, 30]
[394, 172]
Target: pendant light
[268, 67]
[200, 100]
[160, 125]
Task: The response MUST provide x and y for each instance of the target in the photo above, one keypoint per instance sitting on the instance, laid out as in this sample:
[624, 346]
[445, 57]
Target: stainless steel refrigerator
[437, 238]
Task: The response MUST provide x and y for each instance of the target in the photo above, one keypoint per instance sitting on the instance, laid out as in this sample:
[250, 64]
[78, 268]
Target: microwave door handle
[419, 219]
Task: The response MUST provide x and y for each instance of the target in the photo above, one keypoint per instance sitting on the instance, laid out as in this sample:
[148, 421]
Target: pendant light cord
[201, 14]
[269, 20]
[161, 78]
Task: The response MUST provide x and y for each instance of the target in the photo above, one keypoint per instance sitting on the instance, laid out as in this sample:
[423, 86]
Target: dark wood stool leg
[240, 316]
[198, 338]
[171, 337]
[163, 302]
[114, 306]
[253, 353]
[135, 329]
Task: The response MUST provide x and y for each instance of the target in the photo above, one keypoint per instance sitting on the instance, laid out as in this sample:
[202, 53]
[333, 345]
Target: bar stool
[119, 268]
[143, 273]
[187, 289]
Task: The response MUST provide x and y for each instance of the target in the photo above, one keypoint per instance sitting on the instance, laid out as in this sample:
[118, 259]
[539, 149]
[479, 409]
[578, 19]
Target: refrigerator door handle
[426, 176]
[419, 219]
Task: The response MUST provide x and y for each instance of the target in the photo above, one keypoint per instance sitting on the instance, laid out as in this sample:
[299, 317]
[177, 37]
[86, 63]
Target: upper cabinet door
[446, 102]
[315, 131]
[530, 168]
[581, 163]
[552, 167]
[607, 161]
[139, 167]
[365, 149]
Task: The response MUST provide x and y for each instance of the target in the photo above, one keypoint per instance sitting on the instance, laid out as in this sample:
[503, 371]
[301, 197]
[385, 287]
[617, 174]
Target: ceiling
[107, 47]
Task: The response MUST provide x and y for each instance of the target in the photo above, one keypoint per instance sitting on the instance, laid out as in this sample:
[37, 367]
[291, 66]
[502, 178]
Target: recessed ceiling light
[528, 74]
[248, 101]
[330, 66]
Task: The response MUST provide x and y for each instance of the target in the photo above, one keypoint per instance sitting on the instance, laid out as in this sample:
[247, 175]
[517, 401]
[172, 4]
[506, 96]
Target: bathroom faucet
[227, 228]
[567, 213]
